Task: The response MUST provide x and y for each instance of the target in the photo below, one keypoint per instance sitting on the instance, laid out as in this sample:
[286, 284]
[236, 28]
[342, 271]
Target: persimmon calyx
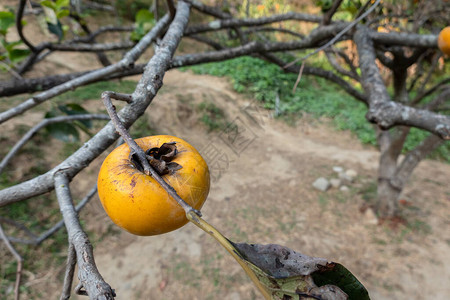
[160, 158]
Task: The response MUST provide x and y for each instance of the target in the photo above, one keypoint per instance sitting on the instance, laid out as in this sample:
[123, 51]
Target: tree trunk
[391, 144]
[393, 176]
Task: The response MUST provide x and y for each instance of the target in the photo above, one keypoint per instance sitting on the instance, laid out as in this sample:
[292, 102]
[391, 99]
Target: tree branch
[125, 63]
[19, 260]
[413, 158]
[145, 91]
[45, 235]
[230, 23]
[308, 70]
[382, 110]
[81, 47]
[89, 276]
[329, 14]
[209, 10]
[92, 35]
[70, 270]
[19, 26]
[41, 125]
[404, 39]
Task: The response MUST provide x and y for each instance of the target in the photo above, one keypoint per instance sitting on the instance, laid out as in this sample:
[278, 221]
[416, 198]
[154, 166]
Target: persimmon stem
[136, 150]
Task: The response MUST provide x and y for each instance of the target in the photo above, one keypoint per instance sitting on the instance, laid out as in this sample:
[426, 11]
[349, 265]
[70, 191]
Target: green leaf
[56, 29]
[62, 13]
[7, 19]
[17, 55]
[9, 46]
[49, 4]
[63, 131]
[62, 3]
[337, 274]
[144, 16]
[75, 109]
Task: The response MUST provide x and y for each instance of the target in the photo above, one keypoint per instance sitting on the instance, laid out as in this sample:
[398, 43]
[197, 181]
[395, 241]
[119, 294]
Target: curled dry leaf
[287, 274]
[160, 158]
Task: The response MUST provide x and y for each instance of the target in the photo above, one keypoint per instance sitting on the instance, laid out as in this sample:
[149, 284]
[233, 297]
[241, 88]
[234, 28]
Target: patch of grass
[369, 192]
[323, 200]
[315, 96]
[211, 115]
[142, 127]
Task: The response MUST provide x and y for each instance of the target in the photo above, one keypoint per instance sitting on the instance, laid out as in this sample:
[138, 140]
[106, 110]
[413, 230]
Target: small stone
[370, 217]
[345, 178]
[344, 188]
[322, 184]
[351, 173]
[292, 183]
[338, 169]
[335, 182]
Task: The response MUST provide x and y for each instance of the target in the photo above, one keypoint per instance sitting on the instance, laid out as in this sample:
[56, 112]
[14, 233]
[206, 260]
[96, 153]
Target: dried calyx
[160, 158]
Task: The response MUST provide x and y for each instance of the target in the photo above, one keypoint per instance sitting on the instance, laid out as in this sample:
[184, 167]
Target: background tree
[383, 55]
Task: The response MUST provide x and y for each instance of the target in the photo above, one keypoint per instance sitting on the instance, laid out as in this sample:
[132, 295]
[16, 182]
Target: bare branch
[332, 60]
[382, 110]
[413, 158]
[433, 66]
[308, 70]
[310, 41]
[443, 97]
[339, 34]
[101, 30]
[209, 10]
[123, 64]
[272, 29]
[19, 26]
[329, 14]
[88, 274]
[145, 91]
[431, 90]
[70, 270]
[45, 235]
[404, 39]
[41, 125]
[81, 47]
[230, 23]
[75, 15]
[171, 8]
[19, 260]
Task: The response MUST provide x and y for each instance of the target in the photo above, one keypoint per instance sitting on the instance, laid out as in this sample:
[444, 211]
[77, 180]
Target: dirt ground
[261, 193]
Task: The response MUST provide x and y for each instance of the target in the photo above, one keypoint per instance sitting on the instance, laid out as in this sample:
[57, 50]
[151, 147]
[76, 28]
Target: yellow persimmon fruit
[444, 40]
[137, 202]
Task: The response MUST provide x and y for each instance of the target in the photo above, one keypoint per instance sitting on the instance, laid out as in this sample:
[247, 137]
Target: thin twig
[45, 235]
[88, 274]
[41, 125]
[329, 14]
[171, 8]
[19, 260]
[20, 27]
[18, 226]
[70, 270]
[128, 60]
[136, 150]
[299, 77]
[146, 89]
[430, 73]
[11, 70]
[338, 36]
